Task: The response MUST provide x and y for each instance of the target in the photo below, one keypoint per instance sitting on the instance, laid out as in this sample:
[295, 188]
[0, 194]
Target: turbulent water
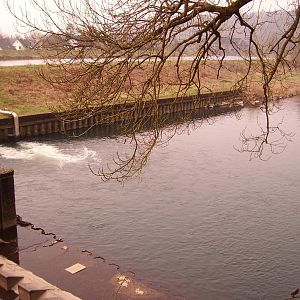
[48, 152]
[202, 219]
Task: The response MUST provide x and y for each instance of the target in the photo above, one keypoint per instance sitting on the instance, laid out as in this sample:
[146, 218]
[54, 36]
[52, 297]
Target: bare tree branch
[121, 52]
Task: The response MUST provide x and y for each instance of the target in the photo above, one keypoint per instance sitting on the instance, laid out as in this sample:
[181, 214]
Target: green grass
[19, 108]
[23, 91]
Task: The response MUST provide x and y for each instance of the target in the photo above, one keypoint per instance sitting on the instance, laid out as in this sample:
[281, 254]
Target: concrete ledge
[27, 285]
[30, 291]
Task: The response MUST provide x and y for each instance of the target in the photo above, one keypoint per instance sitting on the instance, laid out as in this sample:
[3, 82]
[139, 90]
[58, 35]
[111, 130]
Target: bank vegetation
[24, 91]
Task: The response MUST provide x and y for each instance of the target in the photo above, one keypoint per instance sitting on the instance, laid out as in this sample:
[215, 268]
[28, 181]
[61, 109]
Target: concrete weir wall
[48, 123]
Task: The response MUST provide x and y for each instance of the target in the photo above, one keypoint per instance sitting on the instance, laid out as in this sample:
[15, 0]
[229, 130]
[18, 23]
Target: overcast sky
[6, 21]
[8, 26]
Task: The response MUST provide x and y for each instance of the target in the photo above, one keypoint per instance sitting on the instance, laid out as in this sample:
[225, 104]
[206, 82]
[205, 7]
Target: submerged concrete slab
[99, 280]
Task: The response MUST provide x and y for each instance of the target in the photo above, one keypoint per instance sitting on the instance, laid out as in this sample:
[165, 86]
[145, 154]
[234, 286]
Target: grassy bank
[23, 54]
[22, 90]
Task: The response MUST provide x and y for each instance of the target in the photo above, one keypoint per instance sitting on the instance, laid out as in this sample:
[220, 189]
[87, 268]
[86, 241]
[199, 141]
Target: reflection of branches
[274, 139]
[141, 144]
[128, 51]
[126, 167]
[284, 45]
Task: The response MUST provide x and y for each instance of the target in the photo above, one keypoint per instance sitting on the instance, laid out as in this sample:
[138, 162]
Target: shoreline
[26, 57]
[33, 250]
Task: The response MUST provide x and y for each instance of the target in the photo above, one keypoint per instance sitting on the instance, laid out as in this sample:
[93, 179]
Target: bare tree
[122, 52]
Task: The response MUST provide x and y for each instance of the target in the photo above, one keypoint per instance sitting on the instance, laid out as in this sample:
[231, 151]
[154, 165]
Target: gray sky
[6, 20]
[8, 26]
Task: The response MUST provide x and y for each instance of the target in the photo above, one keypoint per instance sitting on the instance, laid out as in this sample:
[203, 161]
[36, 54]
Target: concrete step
[8, 280]
[30, 291]
[27, 285]
[8, 295]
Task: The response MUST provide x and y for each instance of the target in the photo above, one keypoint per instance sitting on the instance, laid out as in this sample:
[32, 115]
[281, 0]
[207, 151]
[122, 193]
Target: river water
[202, 219]
[26, 62]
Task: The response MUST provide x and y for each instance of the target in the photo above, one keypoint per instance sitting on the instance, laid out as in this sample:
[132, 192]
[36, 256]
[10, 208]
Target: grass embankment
[22, 90]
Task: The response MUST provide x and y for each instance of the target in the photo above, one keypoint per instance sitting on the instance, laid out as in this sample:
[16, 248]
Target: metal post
[16, 121]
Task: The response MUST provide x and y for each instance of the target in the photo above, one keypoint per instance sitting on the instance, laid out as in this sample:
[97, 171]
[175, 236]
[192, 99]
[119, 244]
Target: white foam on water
[33, 150]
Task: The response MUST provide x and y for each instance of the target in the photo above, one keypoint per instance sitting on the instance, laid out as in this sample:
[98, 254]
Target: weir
[49, 123]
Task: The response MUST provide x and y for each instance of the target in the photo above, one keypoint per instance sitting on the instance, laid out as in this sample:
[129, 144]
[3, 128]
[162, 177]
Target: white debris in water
[75, 268]
[34, 150]
[123, 280]
[124, 283]
[138, 291]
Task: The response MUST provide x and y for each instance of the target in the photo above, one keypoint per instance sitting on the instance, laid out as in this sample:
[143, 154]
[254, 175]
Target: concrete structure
[18, 281]
[7, 200]
[48, 123]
